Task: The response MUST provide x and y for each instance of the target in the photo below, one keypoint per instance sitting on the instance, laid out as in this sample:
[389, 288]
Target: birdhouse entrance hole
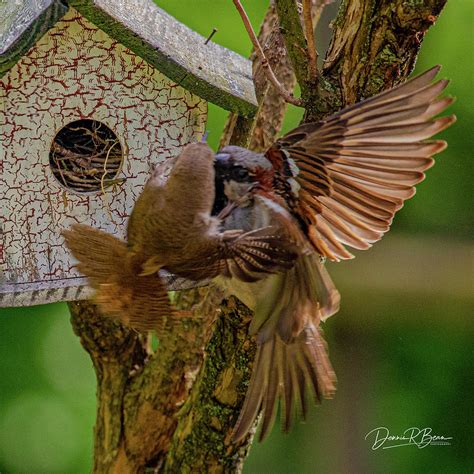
[86, 156]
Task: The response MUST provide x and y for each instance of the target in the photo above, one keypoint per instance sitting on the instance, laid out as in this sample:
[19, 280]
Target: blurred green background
[402, 344]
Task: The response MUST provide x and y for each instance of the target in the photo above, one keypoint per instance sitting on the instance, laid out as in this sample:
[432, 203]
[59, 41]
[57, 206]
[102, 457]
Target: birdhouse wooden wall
[76, 72]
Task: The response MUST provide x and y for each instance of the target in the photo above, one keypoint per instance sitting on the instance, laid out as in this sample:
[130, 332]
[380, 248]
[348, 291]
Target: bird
[331, 184]
[171, 228]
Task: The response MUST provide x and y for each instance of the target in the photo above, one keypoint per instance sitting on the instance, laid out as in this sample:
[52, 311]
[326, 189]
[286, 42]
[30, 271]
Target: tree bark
[173, 410]
[139, 393]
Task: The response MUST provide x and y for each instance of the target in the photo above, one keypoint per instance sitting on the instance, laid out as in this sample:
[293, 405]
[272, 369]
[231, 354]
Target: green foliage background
[403, 358]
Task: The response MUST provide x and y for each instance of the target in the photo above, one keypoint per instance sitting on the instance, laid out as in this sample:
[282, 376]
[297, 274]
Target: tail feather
[288, 389]
[270, 396]
[285, 372]
[138, 301]
[328, 297]
[290, 300]
[299, 381]
[99, 254]
[317, 362]
[273, 303]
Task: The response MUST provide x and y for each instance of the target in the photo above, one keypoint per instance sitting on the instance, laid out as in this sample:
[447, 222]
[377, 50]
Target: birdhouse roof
[211, 71]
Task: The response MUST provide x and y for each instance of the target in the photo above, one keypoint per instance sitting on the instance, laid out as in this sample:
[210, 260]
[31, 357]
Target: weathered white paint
[77, 71]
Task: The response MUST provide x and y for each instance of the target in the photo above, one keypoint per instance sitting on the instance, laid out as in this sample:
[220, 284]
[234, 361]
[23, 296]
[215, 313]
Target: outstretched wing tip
[430, 73]
[448, 119]
[437, 146]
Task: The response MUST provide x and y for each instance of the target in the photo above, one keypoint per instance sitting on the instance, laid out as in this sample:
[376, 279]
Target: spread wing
[257, 253]
[358, 167]
[247, 256]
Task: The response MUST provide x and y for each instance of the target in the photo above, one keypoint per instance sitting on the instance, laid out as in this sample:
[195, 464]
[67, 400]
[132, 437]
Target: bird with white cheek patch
[329, 185]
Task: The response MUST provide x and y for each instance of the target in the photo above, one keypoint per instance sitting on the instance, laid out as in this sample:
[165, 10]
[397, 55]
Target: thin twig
[288, 96]
[309, 33]
[102, 187]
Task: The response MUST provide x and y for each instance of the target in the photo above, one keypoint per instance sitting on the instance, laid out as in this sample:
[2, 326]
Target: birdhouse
[93, 94]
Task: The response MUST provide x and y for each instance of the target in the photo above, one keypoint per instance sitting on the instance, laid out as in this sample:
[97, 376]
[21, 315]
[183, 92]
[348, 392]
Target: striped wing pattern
[358, 167]
[259, 252]
[247, 256]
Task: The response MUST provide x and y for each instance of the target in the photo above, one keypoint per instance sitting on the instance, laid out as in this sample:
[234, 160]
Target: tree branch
[313, 93]
[260, 131]
[288, 96]
[116, 352]
[139, 395]
[202, 440]
[295, 41]
[309, 33]
[375, 45]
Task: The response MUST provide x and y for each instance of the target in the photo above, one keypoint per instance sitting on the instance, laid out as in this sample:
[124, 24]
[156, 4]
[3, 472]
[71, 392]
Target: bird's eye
[240, 173]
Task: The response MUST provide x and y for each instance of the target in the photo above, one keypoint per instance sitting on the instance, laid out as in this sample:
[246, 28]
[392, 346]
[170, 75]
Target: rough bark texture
[375, 45]
[139, 394]
[173, 411]
[201, 442]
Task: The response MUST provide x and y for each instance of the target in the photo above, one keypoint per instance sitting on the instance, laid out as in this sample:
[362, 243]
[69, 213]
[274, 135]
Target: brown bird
[331, 184]
[171, 228]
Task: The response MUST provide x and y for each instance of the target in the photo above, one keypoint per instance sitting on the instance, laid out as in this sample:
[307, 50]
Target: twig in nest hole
[102, 179]
[77, 160]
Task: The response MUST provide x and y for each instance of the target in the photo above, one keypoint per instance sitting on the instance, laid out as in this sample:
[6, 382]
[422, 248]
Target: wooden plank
[29, 294]
[67, 289]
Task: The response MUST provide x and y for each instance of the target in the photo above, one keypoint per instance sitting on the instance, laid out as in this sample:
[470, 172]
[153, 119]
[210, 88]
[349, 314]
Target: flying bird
[331, 185]
[171, 228]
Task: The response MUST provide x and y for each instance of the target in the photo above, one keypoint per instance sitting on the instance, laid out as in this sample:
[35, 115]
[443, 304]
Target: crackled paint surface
[74, 72]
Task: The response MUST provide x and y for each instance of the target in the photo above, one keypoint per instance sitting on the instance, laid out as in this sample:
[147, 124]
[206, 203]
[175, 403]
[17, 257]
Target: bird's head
[236, 157]
[239, 171]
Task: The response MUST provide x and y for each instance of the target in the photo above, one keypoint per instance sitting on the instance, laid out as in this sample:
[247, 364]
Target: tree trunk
[173, 410]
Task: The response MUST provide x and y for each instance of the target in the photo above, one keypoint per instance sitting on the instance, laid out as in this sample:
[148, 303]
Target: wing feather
[358, 167]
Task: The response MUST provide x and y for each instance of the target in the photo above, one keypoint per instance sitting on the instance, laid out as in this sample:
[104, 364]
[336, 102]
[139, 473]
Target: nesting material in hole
[86, 156]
